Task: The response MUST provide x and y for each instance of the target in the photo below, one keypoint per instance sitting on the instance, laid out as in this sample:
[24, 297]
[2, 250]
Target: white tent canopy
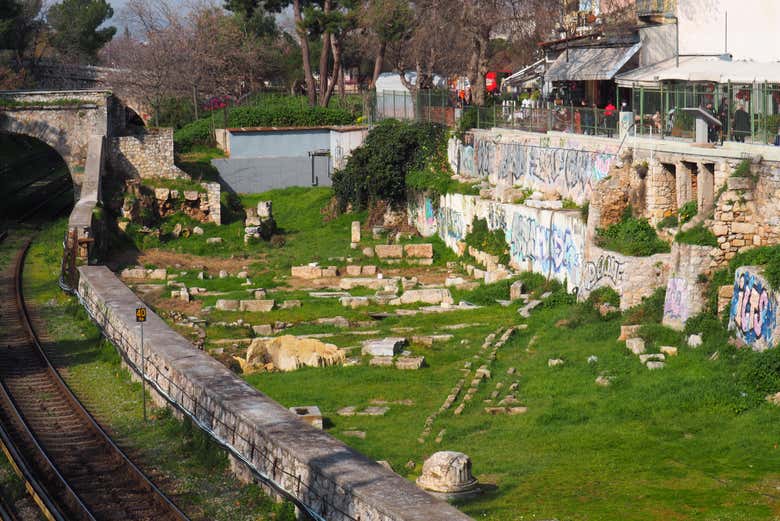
[391, 81]
[701, 68]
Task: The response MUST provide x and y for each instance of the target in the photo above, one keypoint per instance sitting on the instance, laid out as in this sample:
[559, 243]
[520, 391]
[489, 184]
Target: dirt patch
[426, 275]
[183, 261]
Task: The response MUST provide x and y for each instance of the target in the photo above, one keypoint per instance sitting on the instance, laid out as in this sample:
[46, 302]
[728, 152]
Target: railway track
[68, 463]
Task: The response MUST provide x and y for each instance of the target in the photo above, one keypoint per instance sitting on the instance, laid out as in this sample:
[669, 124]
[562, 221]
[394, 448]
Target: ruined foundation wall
[335, 481]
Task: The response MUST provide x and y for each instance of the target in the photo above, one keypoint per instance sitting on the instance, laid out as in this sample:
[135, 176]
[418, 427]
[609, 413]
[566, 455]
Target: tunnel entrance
[35, 182]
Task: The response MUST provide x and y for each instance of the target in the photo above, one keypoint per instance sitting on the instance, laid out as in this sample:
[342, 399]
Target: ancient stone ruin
[447, 474]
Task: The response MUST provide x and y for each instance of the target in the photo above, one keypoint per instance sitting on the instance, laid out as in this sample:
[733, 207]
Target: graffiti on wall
[753, 311]
[452, 227]
[573, 172]
[423, 215]
[552, 250]
[607, 268]
[676, 302]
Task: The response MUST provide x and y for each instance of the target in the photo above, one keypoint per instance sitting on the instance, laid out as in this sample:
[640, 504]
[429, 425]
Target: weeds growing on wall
[670, 221]
[435, 176]
[377, 170]
[650, 310]
[698, 235]
[631, 236]
[688, 211]
[492, 242]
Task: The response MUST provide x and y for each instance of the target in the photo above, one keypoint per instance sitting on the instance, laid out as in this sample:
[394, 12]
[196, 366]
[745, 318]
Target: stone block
[669, 350]
[162, 194]
[513, 411]
[256, 306]
[369, 269]
[263, 330]
[554, 362]
[330, 271]
[252, 221]
[655, 365]
[495, 276]
[747, 228]
[381, 361]
[354, 302]
[739, 183]
[419, 251]
[427, 296]
[516, 290]
[310, 414]
[355, 231]
[264, 209]
[339, 322]
[410, 362]
[214, 240]
[627, 332]
[368, 251]
[389, 251]
[694, 341]
[636, 345]
[353, 271]
[260, 294]
[290, 304]
[190, 195]
[197, 230]
[133, 273]
[227, 305]
[657, 357]
[306, 272]
[384, 346]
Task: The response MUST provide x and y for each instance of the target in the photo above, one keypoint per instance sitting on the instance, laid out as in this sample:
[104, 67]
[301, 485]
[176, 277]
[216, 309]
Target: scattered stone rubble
[288, 353]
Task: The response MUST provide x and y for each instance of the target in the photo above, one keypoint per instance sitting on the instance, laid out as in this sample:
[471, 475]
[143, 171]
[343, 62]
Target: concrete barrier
[333, 481]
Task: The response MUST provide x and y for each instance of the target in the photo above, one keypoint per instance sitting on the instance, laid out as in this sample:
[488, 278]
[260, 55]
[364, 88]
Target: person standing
[588, 118]
[723, 116]
[578, 120]
[609, 118]
[741, 123]
[712, 128]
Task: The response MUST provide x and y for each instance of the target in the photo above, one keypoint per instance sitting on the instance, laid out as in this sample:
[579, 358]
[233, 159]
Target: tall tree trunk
[378, 63]
[335, 45]
[311, 88]
[326, 39]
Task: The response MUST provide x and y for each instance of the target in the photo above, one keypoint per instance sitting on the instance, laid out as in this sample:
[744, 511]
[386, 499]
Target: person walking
[741, 123]
[609, 118]
[712, 128]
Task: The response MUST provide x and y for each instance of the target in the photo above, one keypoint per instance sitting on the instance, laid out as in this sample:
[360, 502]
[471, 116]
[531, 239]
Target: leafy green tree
[10, 11]
[76, 25]
[257, 16]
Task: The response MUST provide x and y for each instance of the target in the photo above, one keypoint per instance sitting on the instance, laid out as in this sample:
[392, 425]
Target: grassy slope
[190, 468]
[681, 443]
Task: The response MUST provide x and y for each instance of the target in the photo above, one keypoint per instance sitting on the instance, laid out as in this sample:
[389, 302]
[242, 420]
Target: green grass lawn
[187, 466]
[693, 441]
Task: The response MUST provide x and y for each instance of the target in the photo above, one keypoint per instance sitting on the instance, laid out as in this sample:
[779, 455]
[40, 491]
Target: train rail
[69, 464]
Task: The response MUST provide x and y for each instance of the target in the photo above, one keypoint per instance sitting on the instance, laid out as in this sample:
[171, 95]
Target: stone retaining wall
[145, 155]
[333, 480]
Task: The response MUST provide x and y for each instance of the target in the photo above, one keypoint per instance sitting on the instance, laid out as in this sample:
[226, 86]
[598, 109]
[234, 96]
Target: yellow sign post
[140, 317]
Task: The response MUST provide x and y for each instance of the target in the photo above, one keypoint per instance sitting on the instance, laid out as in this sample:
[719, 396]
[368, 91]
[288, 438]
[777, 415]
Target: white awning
[590, 63]
[529, 72]
[701, 68]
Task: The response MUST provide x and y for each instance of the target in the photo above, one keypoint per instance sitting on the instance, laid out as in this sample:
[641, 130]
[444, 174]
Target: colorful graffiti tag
[676, 302]
[753, 311]
[572, 172]
[551, 250]
[607, 268]
[423, 215]
[452, 227]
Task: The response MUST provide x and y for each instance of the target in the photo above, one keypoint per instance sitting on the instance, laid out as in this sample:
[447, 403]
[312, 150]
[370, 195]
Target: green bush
[377, 169]
[688, 211]
[743, 169]
[650, 310]
[604, 295]
[631, 236]
[468, 120]
[492, 242]
[698, 235]
[668, 222]
[435, 176]
[274, 112]
[761, 372]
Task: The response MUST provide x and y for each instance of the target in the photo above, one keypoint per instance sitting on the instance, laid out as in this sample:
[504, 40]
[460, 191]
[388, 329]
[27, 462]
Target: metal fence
[749, 113]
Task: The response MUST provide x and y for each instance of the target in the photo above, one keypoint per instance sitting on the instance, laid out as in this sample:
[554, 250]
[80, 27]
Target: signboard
[140, 314]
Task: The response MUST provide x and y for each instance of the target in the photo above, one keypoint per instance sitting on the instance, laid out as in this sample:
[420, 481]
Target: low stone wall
[145, 155]
[753, 311]
[334, 481]
[686, 291]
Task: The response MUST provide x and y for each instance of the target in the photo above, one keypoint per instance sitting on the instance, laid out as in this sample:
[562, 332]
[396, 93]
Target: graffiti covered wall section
[423, 215]
[633, 278]
[567, 166]
[543, 241]
[753, 312]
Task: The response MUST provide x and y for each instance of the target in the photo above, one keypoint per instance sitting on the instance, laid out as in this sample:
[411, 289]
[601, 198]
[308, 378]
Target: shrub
[377, 169]
[668, 222]
[492, 242]
[604, 295]
[435, 176]
[698, 235]
[468, 120]
[275, 112]
[743, 169]
[650, 310]
[631, 236]
[688, 211]
[761, 372]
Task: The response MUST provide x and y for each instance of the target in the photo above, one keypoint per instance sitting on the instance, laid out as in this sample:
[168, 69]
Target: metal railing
[750, 113]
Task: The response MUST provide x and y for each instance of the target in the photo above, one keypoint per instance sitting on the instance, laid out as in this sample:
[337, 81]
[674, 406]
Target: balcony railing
[655, 7]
